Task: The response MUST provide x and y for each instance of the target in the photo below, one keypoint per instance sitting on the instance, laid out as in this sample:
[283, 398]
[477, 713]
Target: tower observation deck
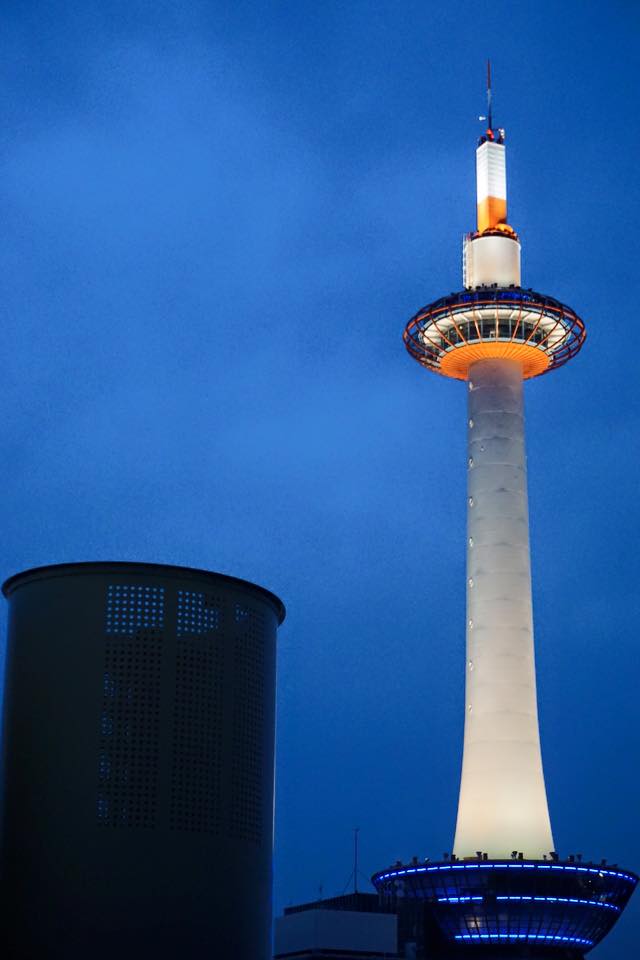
[504, 884]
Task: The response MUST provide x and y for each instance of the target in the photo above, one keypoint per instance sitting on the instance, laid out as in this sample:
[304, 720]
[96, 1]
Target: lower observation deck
[494, 322]
[517, 908]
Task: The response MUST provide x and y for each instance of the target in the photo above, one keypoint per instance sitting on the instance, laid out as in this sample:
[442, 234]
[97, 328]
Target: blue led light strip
[522, 936]
[589, 903]
[503, 866]
[457, 899]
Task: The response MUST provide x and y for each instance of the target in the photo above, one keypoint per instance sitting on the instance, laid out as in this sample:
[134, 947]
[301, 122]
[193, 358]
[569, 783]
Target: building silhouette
[504, 890]
[353, 925]
[137, 764]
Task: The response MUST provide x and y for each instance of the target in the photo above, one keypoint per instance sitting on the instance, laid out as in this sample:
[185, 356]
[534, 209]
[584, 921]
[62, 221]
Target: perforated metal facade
[137, 764]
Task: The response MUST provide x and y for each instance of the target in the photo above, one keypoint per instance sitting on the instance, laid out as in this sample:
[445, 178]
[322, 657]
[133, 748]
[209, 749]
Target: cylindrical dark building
[137, 764]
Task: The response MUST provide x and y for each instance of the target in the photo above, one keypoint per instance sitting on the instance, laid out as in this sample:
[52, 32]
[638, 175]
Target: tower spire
[489, 105]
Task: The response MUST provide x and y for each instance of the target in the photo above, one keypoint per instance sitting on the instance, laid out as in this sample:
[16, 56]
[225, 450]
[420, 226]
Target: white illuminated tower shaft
[494, 334]
[503, 803]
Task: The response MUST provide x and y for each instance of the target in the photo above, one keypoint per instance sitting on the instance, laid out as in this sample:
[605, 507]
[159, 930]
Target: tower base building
[506, 908]
[353, 926]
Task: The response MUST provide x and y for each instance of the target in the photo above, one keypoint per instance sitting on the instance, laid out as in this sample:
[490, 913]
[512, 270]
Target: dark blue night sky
[216, 218]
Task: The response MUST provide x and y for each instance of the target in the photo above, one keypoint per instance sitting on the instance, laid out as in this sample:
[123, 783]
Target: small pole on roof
[489, 114]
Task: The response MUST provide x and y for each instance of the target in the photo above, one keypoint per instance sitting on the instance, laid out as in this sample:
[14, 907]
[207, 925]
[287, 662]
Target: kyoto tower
[504, 890]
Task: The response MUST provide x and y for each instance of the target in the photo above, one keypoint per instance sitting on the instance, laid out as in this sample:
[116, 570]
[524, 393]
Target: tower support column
[503, 804]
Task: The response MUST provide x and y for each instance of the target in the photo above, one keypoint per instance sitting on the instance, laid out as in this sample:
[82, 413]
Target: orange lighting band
[456, 364]
[492, 211]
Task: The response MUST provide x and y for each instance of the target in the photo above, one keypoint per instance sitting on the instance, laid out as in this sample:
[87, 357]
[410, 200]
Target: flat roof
[124, 566]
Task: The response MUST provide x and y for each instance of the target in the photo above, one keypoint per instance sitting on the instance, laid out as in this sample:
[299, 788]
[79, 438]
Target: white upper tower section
[491, 174]
[491, 255]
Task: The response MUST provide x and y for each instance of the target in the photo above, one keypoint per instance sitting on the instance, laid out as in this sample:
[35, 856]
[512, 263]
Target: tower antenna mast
[356, 831]
[489, 113]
